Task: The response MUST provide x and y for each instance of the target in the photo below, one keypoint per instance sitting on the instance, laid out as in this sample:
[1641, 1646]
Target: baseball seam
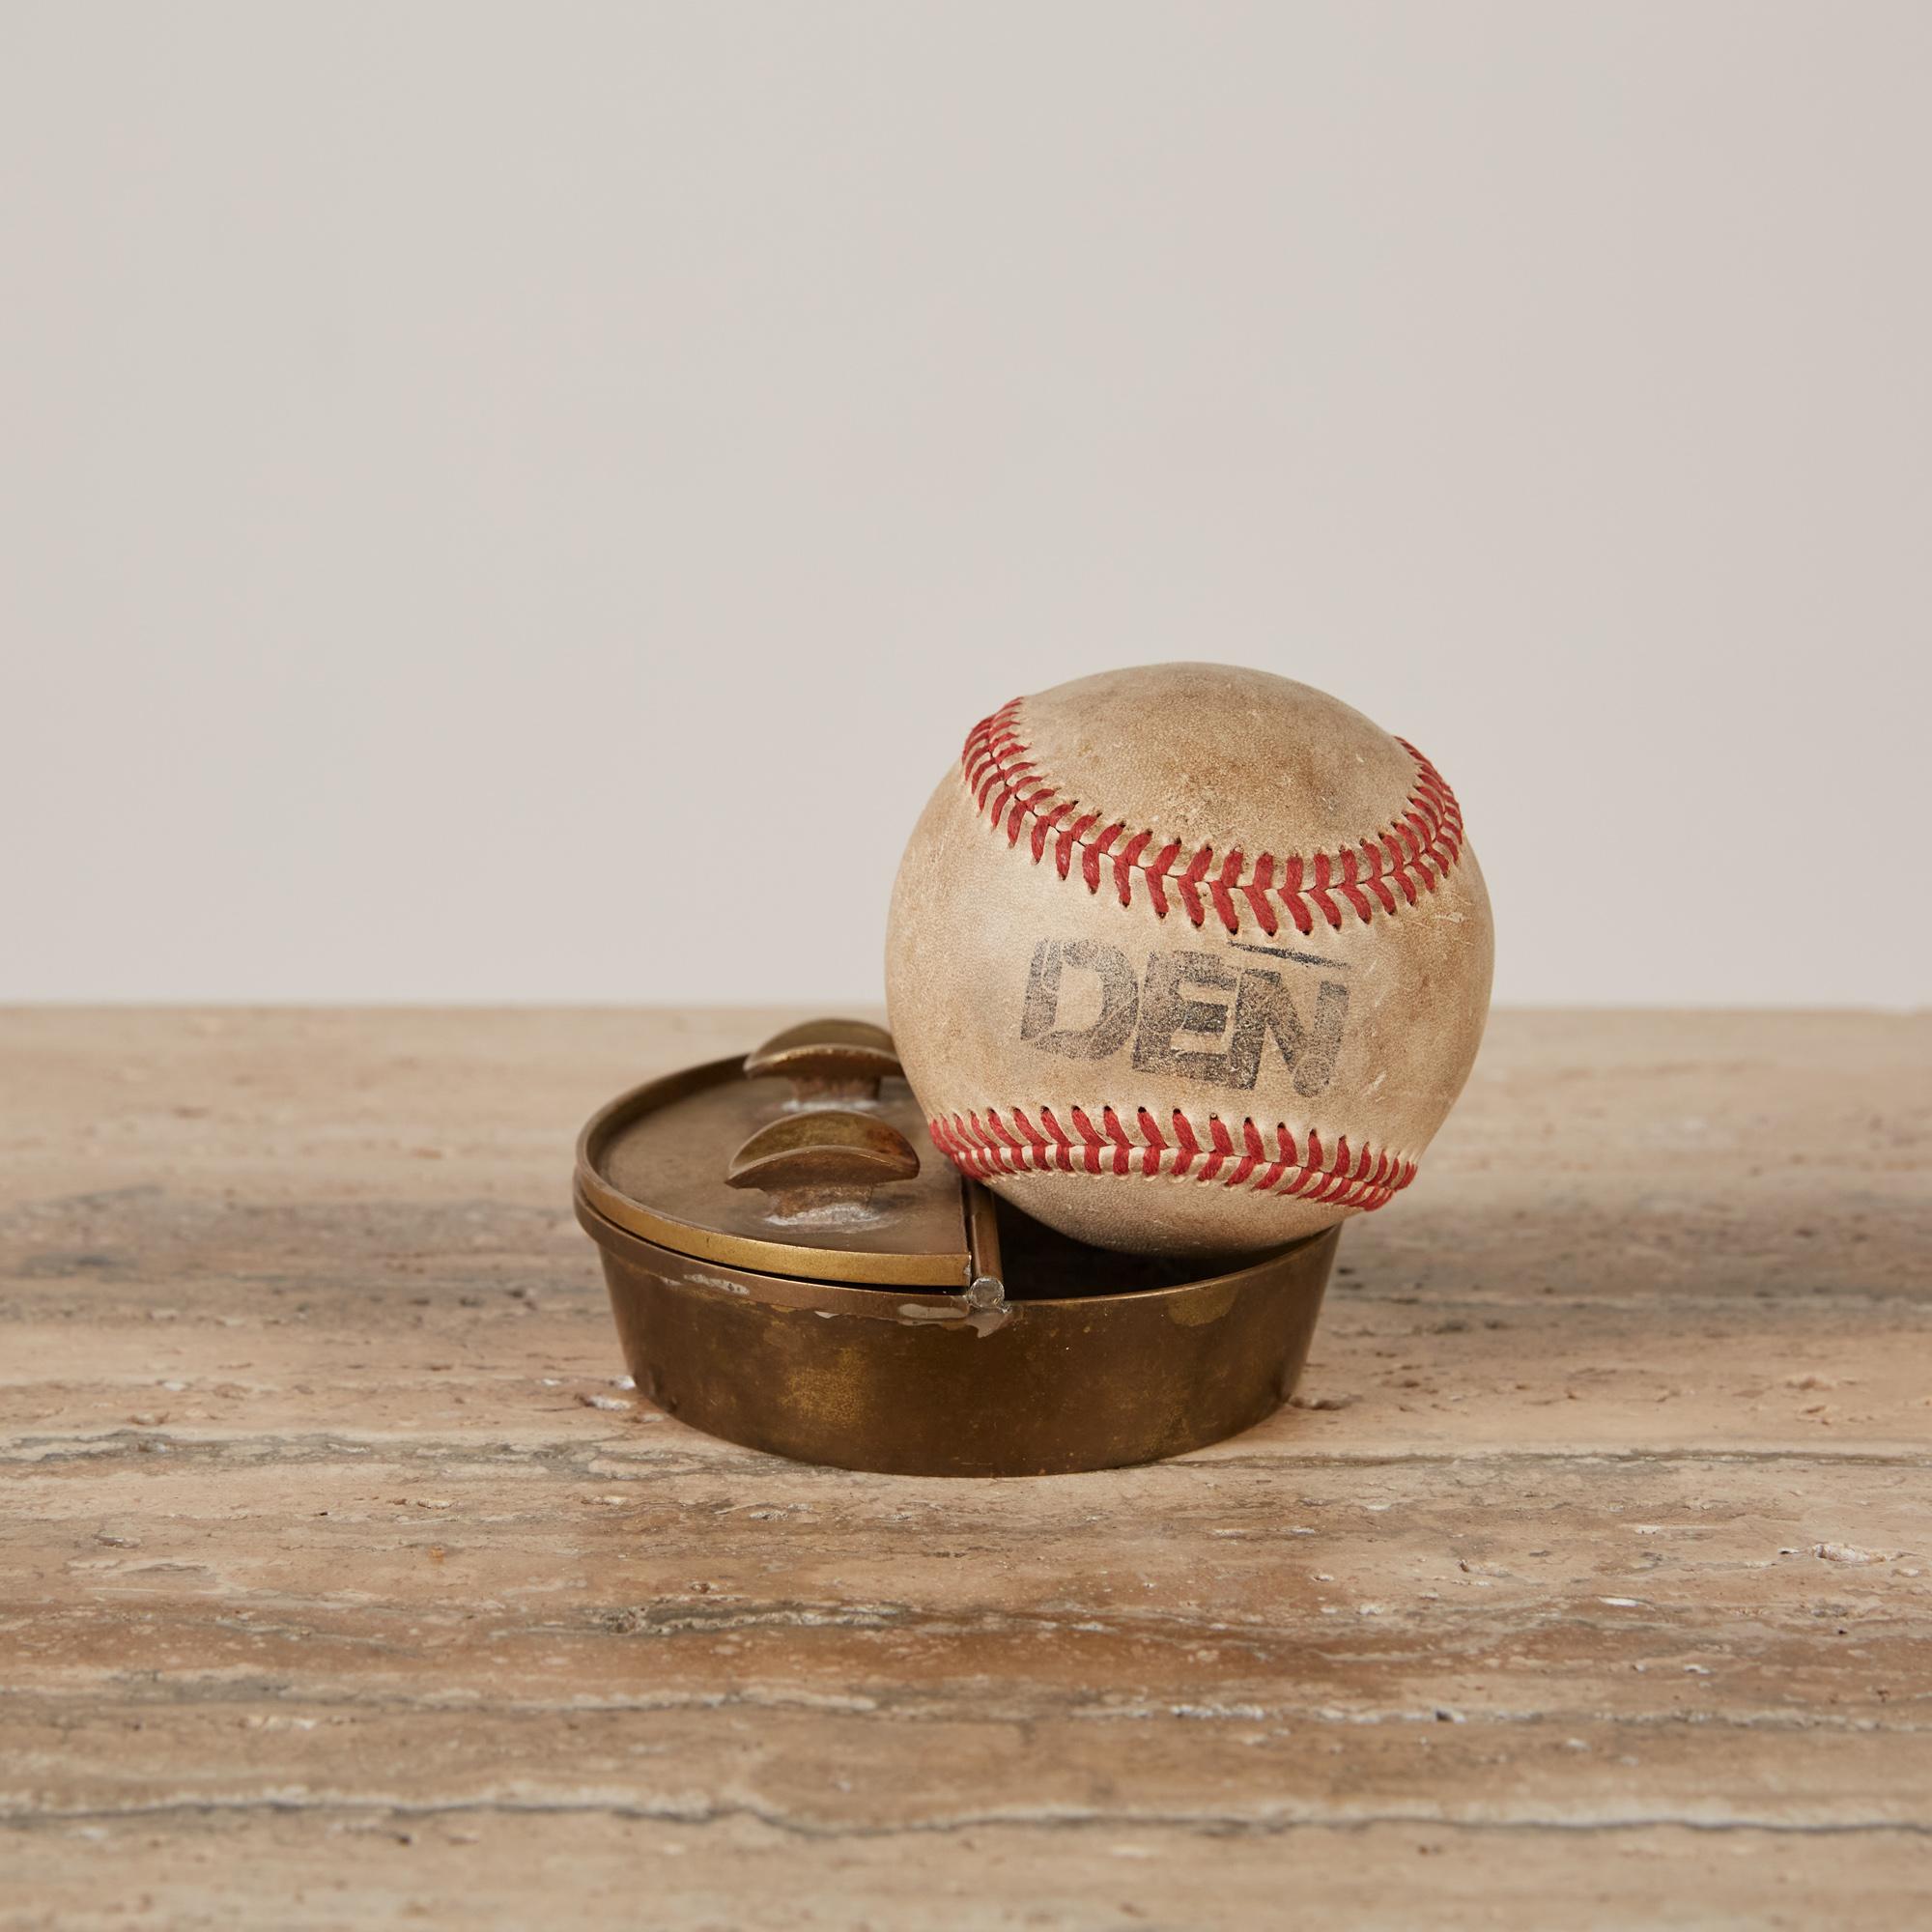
[1342, 1178]
[1416, 848]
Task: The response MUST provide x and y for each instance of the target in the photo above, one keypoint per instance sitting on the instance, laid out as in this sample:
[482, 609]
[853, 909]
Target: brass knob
[822, 1156]
[828, 1059]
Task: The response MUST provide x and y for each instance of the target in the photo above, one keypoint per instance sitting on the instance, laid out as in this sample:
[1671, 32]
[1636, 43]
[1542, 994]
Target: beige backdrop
[521, 502]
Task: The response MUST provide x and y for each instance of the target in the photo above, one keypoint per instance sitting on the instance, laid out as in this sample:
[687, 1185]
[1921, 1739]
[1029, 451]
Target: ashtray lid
[808, 1157]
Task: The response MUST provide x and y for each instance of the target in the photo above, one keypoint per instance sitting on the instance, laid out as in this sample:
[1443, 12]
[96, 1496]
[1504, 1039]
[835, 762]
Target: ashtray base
[910, 1381]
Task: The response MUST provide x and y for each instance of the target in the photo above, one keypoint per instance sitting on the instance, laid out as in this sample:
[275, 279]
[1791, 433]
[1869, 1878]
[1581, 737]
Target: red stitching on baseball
[1409, 856]
[1362, 1177]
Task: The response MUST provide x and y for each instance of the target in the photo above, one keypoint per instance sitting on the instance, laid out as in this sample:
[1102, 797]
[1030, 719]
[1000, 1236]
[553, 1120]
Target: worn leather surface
[1055, 1033]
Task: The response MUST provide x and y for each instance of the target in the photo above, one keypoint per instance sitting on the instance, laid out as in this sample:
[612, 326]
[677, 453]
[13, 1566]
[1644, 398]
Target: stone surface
[1594, 1587]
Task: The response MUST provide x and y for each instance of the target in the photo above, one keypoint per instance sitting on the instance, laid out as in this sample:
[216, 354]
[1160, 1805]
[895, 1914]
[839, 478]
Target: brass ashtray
[793, 1267]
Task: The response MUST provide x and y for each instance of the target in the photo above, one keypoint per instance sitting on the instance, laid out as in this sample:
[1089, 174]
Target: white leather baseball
[1188, 958]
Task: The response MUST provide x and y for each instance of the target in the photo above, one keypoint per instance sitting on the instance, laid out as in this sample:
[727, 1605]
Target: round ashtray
[788, 1271]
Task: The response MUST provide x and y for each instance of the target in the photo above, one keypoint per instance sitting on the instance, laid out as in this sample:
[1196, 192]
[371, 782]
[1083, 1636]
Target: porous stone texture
[1590, 1585]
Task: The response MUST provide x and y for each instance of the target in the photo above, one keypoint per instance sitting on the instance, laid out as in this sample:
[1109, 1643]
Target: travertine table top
[343, 1584]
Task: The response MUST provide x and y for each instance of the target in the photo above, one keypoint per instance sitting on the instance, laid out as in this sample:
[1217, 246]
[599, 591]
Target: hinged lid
[808, 1157]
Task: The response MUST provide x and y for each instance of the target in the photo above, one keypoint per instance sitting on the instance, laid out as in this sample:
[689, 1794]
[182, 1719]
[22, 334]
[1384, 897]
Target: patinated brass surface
[827, 1151]
[655, 1161]
[832, 1058]
[787, 1273]
[920, 1383]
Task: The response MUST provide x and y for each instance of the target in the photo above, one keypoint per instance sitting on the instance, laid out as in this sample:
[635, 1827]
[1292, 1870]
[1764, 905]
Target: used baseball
[1188, 958]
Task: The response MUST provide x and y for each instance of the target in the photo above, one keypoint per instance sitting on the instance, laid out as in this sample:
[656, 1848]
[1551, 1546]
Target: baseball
[1188, 958]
